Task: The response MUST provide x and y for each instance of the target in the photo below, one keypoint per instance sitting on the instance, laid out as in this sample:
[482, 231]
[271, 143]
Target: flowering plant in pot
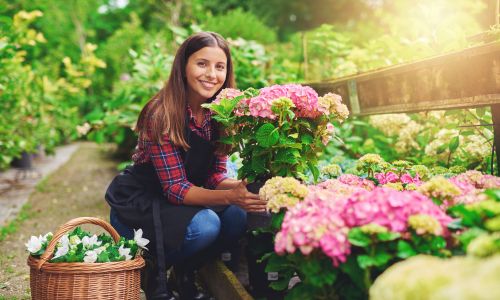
[277, 130]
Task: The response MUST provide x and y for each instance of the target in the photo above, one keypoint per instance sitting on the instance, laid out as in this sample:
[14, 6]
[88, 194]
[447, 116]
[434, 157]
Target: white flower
[34, 244]
[125, 252]
[99, 250]
[61, 250]
[74, 240]
[90, 256]
[141, 242]
[88, 242]
[64, 241]
[46, 237]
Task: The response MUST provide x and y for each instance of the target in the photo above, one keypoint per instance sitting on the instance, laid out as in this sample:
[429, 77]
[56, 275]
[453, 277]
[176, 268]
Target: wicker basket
[55, 281]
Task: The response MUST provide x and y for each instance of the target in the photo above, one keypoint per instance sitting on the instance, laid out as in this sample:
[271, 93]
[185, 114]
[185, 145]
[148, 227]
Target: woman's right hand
[248, 201]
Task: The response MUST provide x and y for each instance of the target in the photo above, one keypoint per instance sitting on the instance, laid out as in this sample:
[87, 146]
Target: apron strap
[160, 246]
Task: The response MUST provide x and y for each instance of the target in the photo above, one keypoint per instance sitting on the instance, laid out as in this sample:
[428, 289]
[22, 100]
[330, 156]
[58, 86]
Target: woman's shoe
[150, 281]
[186, 285]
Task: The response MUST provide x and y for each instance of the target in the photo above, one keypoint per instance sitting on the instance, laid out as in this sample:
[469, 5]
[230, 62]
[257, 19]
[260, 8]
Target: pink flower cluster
[336, 187]
[304, 98]
[390, 208]
[354, 180]
[477, 180]
[313, 224]
[229, 93]
[319, 223]
[391, 177]
[471, 184]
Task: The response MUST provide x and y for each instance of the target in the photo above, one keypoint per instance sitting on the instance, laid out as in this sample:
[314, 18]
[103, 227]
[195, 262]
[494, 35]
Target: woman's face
[206, 71]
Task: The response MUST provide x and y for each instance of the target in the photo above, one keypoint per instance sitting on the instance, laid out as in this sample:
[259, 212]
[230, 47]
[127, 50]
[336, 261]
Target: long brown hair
[165, 112]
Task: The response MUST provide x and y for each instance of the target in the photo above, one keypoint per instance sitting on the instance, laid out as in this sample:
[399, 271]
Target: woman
[176, 190]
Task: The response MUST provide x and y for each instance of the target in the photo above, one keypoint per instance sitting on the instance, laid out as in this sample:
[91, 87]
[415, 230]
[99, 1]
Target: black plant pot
[24, 162]
[258, 245]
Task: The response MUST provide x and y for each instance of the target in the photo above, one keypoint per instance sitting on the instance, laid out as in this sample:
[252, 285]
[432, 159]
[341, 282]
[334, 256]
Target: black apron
[136, 192]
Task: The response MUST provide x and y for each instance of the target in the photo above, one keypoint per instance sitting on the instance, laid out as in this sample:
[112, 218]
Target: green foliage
[240, 24]
[38, 109]
[480, 224]
[115, 120]
[250, 61]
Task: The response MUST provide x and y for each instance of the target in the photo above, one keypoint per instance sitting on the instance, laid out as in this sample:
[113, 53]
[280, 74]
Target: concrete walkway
[14, 193]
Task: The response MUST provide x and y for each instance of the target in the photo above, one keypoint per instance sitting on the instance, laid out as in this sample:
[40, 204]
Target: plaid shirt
[167, 161]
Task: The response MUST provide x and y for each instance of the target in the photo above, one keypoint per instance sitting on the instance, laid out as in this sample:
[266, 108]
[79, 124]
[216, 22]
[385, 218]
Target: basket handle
[63, 229]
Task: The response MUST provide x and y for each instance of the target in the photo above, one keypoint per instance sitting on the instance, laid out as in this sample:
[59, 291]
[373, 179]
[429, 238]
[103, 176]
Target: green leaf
[103, 257]
[388, 236]
[358, 238]
[306, 139]
[442, 148]
[405, 250]
[353, 270]
[267, 135]
[455, 141]
[258, 164]
[314, 170]
[277, 220]
[381, 259]
[365, 261]
[437, 243]
[493, 194]
[287, 156]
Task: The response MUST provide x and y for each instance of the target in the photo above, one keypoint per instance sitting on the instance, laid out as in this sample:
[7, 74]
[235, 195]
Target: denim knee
[234, 223]
[205, 227]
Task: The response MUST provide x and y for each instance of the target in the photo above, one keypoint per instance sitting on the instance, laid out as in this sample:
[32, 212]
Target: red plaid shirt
[169, 165]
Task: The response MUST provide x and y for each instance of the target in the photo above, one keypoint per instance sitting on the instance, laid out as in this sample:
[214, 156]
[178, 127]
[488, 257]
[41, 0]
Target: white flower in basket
[141, 242]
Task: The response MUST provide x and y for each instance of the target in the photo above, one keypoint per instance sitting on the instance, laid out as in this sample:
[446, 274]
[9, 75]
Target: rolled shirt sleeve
[217, 172]
[169, 166]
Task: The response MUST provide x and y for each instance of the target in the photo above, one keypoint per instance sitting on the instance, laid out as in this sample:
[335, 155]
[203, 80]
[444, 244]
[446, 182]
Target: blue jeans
[205, 228]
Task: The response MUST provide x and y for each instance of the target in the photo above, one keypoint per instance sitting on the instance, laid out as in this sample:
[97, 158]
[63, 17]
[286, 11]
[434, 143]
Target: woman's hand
[248, 201]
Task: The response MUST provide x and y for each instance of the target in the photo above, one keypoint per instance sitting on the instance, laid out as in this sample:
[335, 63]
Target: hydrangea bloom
[282, 192]
[304, 98]
[229, 93]
[441, 189]
[390, 208]
[354, 180]
[322, 223]
[331, 104]
[312, 224]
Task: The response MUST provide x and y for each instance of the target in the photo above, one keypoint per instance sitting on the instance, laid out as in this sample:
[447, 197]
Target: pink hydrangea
[323, 220]
[390, 208]
[407, 179]
[354, 180]
[336, 187]
[391, 177]
[304, 98]
[229, 93]
[314, 224]
[472, 184]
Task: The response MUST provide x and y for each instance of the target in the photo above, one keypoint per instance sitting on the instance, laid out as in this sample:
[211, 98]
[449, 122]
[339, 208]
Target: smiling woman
[205, 74]
[177, 189]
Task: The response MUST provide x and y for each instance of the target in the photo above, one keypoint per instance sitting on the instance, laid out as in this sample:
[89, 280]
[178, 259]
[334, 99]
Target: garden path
[76, 189]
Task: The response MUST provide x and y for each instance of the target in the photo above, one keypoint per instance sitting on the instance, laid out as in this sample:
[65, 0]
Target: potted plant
[277, 131]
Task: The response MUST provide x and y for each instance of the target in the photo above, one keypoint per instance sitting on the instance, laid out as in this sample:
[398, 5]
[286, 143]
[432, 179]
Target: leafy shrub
[240, 24]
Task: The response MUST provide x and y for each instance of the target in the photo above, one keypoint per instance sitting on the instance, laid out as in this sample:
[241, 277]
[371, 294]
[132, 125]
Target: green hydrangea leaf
[358, 238]
[267, 135]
